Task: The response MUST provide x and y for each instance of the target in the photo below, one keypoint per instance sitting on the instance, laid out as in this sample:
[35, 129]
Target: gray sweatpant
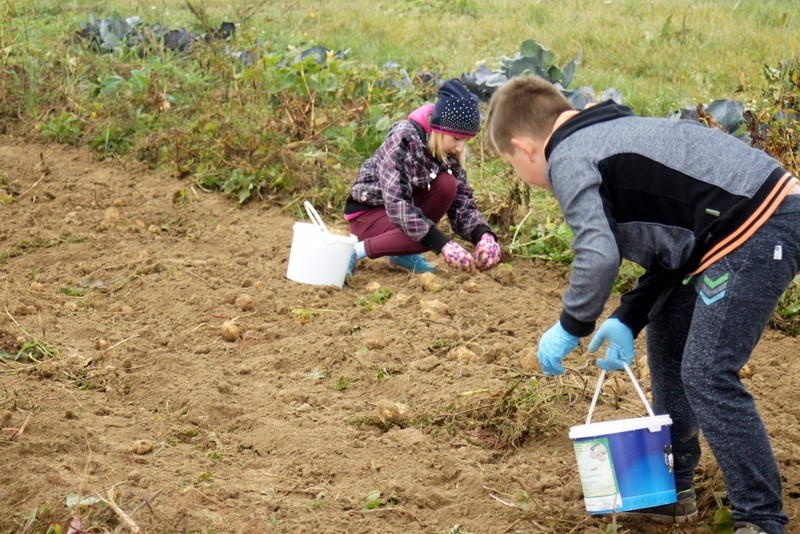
[699, 337]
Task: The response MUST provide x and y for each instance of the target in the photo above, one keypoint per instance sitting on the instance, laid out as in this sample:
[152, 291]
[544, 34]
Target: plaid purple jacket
[402, 165]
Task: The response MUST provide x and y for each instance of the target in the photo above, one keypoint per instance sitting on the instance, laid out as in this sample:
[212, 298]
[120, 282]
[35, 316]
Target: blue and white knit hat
[456, 111]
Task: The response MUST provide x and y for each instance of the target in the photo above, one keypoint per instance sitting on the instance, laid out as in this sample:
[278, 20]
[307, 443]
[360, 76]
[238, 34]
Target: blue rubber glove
[620, 344]
[554, 345]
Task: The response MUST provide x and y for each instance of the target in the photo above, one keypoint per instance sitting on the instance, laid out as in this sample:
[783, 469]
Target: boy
[716, 225]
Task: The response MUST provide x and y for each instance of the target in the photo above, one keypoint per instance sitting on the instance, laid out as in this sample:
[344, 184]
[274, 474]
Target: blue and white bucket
[625, 464]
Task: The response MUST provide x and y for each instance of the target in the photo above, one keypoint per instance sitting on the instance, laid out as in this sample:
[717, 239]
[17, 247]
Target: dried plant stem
[125, 518]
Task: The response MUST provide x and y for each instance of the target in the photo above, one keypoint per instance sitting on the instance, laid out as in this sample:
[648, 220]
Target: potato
[430, 282]
[141, 446]
[230, 331]
[392, 412]
[462, 354]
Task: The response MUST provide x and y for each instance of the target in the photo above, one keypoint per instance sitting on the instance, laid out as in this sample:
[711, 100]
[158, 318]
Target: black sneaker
[682, 511]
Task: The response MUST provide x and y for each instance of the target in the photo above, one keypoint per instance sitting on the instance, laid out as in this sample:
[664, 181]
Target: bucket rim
[308, 228]
[593, 430]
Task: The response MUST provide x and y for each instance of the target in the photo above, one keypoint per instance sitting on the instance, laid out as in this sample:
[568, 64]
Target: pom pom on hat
[456, 111]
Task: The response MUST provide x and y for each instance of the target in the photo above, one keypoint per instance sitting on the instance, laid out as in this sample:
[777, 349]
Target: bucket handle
[635, 384]
[314, 216]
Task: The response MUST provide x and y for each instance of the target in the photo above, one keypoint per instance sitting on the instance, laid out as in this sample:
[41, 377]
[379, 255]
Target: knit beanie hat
[456, 111]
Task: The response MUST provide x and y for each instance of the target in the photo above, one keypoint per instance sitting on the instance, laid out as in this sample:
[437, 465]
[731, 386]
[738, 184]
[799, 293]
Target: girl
[414, 178]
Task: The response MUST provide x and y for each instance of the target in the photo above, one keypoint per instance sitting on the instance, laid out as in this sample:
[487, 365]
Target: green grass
[660, 55]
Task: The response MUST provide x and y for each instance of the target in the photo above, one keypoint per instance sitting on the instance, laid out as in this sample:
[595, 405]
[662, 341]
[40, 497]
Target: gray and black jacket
[670, 195]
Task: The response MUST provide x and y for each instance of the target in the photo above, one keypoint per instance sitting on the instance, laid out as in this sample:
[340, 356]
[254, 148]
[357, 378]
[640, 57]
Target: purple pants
[382, 238]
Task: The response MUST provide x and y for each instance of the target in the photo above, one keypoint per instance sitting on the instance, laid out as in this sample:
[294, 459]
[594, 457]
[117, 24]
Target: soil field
[397, 404]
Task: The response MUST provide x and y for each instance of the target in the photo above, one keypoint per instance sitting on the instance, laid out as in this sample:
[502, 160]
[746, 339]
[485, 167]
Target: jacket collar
[605, 111]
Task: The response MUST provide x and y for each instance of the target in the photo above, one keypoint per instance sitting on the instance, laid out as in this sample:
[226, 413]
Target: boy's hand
[457, 256]
[620, 344]
[487, 252]
[554, 345]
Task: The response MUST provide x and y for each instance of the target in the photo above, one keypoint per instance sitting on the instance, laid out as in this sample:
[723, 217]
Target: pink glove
[487, 252]
[457, 256]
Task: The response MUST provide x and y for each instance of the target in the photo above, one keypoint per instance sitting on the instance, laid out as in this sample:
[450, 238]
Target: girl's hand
[457, 256]
[487, 252]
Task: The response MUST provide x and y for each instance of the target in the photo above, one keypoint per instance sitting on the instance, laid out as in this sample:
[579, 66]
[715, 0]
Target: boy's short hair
[524, 105]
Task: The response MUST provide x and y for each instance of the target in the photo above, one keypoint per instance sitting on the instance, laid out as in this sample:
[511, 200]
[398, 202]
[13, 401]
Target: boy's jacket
[666, 194]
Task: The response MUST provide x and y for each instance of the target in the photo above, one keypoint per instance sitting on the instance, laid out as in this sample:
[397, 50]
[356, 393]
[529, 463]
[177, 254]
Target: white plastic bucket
[317, 256]
[624, 464]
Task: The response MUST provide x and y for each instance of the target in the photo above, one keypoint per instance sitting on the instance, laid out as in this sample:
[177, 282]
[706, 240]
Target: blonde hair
[524, 105]
[436, 149]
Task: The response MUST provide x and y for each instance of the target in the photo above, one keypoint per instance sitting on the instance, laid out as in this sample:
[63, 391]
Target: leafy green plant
[64, 128]
[111, 141]
[629, 273]
[550, 240]
[9, 189]
[375, 499]
[71, 291]
[318, 503]
[380, 296]
[535, 58]
[342, 384]
[787, 314]
[34, 350]
[775, 125]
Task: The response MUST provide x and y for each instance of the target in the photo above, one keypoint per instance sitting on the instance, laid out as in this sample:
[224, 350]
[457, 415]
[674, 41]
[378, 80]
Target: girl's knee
[445, 184]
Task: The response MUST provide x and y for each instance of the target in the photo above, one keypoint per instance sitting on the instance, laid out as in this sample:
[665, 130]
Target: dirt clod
[244, 302]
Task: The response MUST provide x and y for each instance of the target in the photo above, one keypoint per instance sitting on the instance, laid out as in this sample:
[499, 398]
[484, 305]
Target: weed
[361, 421]
[440, 345]
[550, 240]
[9, 189]
[342, 384]
[380, 296]
[65, 128]
[375, 499]
[111, 141]
[774, 127]
[34, 350]
[507, 418]
[629, 273]
[787, 314]
[25, 349]
[71, 291]
[318, 503]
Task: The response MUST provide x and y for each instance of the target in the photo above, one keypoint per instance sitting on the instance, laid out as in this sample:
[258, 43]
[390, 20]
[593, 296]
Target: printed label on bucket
[600, 490]
[625, 465]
